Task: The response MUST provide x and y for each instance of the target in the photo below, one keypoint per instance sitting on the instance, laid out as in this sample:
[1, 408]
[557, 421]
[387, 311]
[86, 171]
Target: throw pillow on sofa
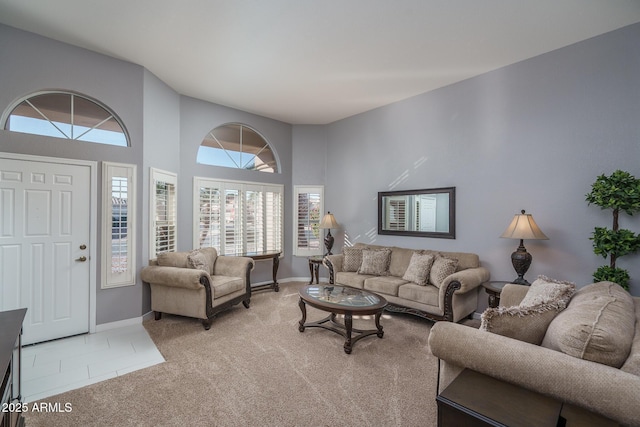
[598, 325]
[352, 259]
[419, 268]
[199, 261]
[442, 268]
[375, 262]
[529, 321]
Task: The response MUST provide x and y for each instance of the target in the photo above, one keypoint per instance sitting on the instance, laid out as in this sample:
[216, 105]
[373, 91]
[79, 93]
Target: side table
[494, 288]
[275, 256]
[474, 399]
[314, 267]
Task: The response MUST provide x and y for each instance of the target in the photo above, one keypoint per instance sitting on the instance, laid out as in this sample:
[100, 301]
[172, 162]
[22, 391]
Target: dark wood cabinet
[474, 399]
[10, 365]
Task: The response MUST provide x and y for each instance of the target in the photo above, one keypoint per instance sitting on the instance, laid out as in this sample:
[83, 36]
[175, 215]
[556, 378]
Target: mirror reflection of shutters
[397, 214]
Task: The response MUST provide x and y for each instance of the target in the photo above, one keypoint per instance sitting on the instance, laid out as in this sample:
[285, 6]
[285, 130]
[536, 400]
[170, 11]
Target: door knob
[82, 259]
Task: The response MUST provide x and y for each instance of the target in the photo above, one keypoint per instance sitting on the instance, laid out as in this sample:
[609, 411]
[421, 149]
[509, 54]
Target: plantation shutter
[164, 211]
[309, 208]
[236, 217]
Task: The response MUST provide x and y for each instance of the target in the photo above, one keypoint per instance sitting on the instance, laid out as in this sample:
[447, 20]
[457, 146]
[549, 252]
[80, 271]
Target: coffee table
[342, 300]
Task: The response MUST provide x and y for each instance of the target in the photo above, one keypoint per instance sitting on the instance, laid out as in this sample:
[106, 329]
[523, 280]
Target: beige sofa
[589, 354]
[197, 284]
[445, 295]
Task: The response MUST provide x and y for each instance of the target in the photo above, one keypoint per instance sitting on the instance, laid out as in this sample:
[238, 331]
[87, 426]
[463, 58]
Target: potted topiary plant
[619, 192]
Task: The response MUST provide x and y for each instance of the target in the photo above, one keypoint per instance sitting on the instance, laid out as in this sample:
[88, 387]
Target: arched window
[67, 115]
[237, 146]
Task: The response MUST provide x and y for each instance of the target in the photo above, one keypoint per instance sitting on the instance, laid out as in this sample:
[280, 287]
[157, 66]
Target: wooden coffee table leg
[303, 309]
[379, 326]
[348, 324]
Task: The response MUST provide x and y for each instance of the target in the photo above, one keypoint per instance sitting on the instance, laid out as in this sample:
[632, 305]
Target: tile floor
[66, 364]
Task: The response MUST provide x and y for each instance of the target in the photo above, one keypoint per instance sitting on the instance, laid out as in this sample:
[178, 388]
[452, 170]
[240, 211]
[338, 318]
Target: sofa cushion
[465, 259]
[429, 295]
[351, 278]
[352, 259]
[419, 268]
[632, 364]
[384, 284]
[442, 268]
[173, 259]
[598, 325]
[529, 321]
[375, 262]
[224, 285]
[400, 259]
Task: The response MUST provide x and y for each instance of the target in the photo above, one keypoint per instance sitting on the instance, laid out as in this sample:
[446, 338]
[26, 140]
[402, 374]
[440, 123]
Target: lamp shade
[328, 221]
[523, 227]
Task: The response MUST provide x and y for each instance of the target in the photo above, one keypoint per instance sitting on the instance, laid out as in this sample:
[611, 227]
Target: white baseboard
[119, 324]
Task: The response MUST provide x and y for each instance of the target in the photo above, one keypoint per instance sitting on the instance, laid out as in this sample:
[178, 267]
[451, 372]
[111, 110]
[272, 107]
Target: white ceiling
[317, 61]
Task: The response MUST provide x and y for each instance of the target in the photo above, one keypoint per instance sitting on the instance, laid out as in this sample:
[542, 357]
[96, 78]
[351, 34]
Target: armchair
[197, 284]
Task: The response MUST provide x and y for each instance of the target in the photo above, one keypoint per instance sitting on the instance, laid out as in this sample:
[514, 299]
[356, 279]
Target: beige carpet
[254, 368]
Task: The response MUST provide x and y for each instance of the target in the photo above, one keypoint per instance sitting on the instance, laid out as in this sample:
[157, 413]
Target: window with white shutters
[308, 205]
[237, 217]
[164, 212]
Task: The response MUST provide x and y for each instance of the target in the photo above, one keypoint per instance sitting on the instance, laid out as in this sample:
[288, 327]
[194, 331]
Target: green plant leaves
[615, 275]
[620, 191]
[617, 243]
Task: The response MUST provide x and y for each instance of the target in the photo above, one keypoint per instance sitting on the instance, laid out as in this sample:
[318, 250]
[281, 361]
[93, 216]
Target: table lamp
[328, 222]
[522, 227]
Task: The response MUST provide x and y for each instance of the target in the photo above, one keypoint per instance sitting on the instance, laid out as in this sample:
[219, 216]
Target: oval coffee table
[342, 300]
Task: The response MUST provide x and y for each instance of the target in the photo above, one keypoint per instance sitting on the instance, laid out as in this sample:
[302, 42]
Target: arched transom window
[237, 146]
[67, 115]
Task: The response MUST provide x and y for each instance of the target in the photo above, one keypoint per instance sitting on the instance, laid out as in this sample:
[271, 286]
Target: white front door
[45, 216]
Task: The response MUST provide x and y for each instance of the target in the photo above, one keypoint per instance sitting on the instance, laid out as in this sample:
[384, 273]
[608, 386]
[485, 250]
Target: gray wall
[166, 130]
[532, 136]
[161, 151]
[310, 160]
[31, 63]
[197, 118]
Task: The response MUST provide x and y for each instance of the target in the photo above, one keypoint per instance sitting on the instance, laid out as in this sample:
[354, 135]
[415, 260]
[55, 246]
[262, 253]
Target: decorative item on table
[522, 227]
[328, 222]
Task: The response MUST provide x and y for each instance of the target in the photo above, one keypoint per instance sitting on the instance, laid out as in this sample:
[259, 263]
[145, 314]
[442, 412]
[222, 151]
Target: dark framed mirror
[429, 212]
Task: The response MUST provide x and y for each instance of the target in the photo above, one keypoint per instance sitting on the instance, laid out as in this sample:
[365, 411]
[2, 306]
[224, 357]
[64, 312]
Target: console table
[473, 399]
[275, 256]
[10, 358]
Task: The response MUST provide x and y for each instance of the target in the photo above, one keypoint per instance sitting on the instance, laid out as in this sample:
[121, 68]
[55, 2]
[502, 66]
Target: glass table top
[342, 296]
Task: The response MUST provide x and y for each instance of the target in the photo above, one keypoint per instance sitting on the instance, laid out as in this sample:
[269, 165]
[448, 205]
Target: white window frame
[311, 189]
[111, 278]
[271, 238]
[156, 176]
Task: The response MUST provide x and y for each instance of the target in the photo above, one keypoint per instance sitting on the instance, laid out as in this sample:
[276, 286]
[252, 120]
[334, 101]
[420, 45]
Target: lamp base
[328, 243]
[521, 260]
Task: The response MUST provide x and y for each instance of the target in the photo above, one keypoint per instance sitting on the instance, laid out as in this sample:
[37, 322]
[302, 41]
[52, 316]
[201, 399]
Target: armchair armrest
[189, 278]
[597, 387]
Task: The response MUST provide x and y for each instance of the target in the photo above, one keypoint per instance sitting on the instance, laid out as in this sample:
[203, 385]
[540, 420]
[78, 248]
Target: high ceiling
[317, 61]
